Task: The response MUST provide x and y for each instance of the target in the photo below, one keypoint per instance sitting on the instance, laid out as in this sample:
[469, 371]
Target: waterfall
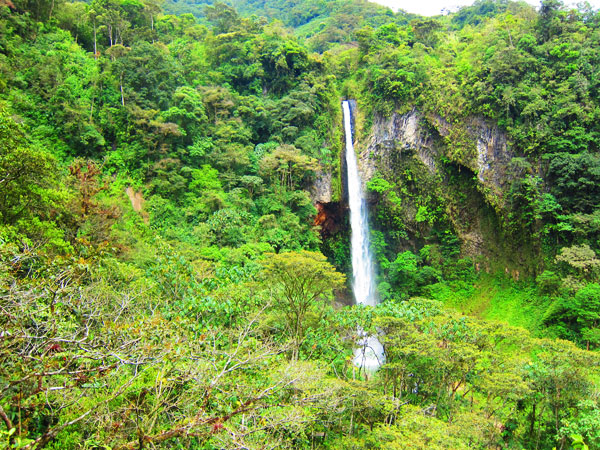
[362, 264]
[369, 355]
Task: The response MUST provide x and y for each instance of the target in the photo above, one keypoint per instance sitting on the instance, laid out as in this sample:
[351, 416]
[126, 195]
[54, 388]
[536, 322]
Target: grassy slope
[498, 298]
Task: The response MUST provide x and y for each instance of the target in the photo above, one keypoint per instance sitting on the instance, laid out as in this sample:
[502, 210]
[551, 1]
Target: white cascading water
[369, 355]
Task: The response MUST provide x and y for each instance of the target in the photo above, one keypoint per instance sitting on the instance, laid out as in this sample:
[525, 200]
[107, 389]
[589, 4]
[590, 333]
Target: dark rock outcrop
[330, 217]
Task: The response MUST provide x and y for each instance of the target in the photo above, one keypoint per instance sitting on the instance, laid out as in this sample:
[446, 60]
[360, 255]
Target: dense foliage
[161, 280]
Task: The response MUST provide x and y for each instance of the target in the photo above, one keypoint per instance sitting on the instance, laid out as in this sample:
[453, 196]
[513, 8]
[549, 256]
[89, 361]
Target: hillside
[175, 265]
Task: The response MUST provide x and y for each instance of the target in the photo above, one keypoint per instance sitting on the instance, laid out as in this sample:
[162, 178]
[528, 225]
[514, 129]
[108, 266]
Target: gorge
[187, 259]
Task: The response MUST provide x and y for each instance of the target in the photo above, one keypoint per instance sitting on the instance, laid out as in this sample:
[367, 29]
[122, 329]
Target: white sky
[434, 7]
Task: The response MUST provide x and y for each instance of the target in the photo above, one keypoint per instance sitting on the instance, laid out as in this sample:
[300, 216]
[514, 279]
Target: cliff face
[321, 190]
[398, 133]
[458, 173]
[486, 150]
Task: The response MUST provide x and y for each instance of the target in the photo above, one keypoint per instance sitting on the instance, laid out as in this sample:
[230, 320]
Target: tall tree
[301, 283]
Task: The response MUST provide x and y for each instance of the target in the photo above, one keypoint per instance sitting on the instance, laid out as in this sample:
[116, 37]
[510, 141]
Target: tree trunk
[95, 46]
[121, 86]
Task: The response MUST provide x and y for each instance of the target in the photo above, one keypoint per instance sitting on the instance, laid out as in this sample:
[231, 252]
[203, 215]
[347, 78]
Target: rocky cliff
[485, 149]
[447, 178]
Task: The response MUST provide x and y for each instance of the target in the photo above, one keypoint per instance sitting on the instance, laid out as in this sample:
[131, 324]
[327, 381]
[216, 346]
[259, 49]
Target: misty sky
[434, 7]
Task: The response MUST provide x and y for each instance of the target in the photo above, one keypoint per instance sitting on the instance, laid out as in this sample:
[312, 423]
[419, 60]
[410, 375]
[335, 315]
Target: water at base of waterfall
[369, 355]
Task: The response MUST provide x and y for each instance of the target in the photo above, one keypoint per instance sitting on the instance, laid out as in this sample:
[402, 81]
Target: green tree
[582, 259]
[287, 167]
[403, 272]
[223, 17]
[301, 282]
[40, 10]
[28, 176]
[587, 311]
